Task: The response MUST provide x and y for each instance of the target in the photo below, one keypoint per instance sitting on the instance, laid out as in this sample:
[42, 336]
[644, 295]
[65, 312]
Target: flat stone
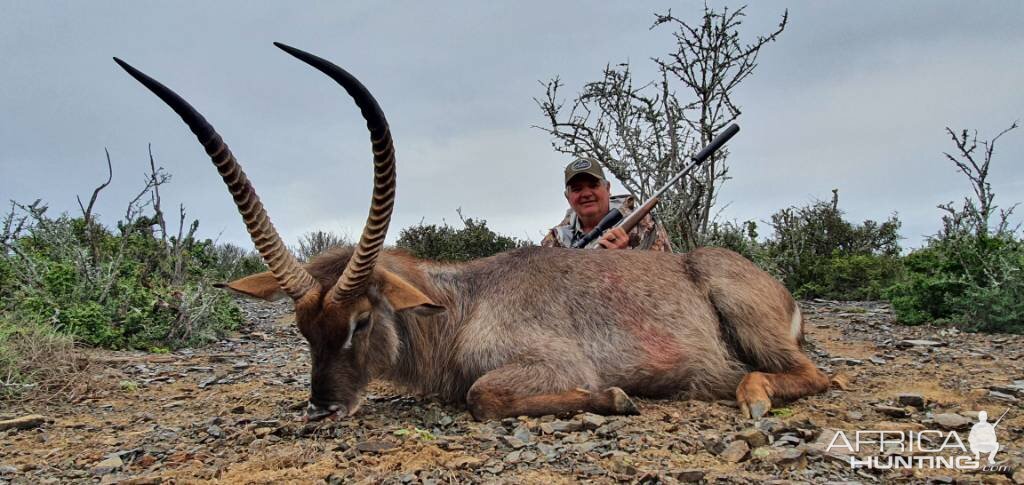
[621, 465]
[513, 457]
[914, 400]
[753, 436]
[878, 361]
[892, 411]
[951, 421]
[592, 421]
[561, 427]
[919, 343]
[1001, 396]
[845, 361]
[215, 431]
[514, 442]
[108, 466]
[789, 458]
[735, 452]
[374, 447]
[692, 475]
[463, 462]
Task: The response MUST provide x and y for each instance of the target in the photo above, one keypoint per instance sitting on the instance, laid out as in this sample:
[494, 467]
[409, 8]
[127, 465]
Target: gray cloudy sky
[854, 96]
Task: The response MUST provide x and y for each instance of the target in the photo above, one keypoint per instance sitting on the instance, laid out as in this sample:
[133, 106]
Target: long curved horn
[292, 277]
[360, 266]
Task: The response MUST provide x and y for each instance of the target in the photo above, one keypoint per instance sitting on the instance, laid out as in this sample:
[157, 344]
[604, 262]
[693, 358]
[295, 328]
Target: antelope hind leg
[501, 393]
[757, 389]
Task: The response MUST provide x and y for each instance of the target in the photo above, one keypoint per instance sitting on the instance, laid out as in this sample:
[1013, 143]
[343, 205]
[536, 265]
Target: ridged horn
[292, 277]
[357, 272]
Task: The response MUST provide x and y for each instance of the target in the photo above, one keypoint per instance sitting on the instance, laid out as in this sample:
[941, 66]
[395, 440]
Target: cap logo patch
[581, 164]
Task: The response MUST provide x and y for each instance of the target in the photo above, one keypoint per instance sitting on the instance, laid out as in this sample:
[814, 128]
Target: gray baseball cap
[585, 165]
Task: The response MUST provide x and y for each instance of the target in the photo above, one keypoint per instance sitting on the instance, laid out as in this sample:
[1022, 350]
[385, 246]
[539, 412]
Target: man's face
[588, 196]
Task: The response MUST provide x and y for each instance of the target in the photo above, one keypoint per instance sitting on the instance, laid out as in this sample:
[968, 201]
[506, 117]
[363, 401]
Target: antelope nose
[315, 411]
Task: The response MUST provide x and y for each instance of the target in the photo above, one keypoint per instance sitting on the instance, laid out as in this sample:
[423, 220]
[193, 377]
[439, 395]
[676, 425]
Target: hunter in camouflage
[587, 191]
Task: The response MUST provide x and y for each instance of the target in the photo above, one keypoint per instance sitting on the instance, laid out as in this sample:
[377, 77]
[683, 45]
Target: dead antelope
[529, 332]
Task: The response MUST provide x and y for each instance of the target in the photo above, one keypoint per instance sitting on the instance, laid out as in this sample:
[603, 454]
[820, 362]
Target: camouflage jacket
[648, 234]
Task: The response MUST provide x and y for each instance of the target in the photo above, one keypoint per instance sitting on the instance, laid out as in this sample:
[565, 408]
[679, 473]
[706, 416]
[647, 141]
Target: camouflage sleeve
[550, 241]
[650, 235]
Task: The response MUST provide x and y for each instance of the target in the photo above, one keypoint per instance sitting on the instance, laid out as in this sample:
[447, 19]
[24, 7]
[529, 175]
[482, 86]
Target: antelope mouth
[314, 412]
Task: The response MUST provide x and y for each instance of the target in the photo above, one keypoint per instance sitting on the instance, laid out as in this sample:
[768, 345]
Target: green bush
[971, 273]
[817, 253]
[850, 277]
[445, 243]
[742, 238]
[128, 288]
[976, 282]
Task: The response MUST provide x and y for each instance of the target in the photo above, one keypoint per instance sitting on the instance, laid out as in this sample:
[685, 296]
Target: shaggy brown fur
[539, 330]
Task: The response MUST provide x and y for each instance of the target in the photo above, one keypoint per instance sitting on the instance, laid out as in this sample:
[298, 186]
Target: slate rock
[892, 411]
[952, 421]
[591, 421]
[691, 475]
[753, 436]
[735, 452]
[919, 343]
[374, 446]
[913, 400]
[109, 465]
[561, 426]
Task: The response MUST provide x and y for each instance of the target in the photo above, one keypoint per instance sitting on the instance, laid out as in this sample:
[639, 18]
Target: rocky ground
[228, 413]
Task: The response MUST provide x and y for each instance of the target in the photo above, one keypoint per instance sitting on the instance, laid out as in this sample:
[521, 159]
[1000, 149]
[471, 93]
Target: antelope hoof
[621, 403]
[754, 396]
[756, 409]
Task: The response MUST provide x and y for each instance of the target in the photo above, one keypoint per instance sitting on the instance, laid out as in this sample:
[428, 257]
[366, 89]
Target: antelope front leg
[520, 390]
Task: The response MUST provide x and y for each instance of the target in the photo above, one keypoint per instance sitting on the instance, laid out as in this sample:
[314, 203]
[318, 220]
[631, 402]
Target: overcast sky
[854, 96]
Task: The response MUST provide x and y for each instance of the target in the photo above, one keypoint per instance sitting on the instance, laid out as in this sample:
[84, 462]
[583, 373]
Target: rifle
[614, 217]
[1001, 418]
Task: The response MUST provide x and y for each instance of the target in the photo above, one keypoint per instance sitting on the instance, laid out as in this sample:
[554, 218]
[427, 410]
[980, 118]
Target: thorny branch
[975, 166]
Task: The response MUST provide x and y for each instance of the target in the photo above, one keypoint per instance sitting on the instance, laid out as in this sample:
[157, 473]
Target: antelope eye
[362, 321]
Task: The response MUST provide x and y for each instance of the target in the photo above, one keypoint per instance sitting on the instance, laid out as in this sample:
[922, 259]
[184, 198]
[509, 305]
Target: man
[587, 191]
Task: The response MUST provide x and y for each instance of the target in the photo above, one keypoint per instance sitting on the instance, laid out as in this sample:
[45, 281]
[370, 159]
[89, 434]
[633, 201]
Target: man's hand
[614, 238]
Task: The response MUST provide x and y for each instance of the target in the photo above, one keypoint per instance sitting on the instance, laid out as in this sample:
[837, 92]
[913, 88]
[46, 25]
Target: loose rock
[914, 400]
[735, 452]
[952, 421]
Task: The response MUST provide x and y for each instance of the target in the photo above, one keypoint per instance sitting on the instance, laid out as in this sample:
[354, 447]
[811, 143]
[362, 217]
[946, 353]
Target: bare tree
[87, 216]
[976, 214]
[644, 134]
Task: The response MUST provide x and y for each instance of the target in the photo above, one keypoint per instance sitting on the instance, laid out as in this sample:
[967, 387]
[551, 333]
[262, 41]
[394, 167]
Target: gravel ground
[228, 413]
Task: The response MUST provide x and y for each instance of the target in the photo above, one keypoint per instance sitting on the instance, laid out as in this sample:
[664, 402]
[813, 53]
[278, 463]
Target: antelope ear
[404, 296]
[260, 285]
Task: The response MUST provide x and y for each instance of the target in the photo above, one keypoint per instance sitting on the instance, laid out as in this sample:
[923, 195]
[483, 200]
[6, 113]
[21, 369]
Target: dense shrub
[815, 252]
[976, 282]
[971, 273]
[446, 243]
[742, 238]
[126, 289]
[315, 242]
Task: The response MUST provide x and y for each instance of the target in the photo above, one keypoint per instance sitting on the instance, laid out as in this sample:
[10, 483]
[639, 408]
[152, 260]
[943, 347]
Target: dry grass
[38, 363]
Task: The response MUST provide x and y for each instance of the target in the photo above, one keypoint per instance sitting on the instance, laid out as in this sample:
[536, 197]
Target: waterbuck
[533, 331]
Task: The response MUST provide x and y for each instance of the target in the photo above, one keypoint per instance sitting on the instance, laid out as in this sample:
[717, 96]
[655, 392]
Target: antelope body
[532, 331]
